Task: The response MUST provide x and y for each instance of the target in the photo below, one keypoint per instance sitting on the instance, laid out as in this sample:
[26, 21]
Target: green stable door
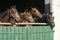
[26, 33]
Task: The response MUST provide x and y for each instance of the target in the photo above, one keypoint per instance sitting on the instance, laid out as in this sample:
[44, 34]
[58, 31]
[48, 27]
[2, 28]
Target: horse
[35, 12]
[29, 17]
[50, 19]
[11, 16]
[25, 18]
[33, 15]
[14, 14]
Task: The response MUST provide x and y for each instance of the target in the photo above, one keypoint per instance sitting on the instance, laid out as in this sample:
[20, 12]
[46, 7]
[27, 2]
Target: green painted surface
[26, 33]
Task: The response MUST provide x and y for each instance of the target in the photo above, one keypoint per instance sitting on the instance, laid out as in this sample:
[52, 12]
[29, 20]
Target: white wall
[56, 13]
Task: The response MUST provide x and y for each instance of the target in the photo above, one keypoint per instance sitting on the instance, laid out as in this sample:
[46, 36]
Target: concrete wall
[56, 13]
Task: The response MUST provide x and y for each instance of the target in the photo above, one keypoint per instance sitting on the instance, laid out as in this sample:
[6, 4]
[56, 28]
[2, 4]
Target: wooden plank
[24, 23]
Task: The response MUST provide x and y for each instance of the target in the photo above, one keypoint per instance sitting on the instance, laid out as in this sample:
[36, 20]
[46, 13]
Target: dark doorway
[22, 4]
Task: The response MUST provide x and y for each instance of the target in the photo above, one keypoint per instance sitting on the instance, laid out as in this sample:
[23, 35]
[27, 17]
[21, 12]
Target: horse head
[36, 12]
[28, 17]
[14, 14]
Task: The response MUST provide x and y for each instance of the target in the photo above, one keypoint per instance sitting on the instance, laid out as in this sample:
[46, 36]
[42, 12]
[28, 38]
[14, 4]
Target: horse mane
[4, 13]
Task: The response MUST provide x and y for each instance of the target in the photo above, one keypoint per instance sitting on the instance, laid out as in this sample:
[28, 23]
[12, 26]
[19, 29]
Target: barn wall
[22, 4]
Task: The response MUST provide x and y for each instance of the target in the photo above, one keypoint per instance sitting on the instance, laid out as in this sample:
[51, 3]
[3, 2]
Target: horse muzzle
[40, 16]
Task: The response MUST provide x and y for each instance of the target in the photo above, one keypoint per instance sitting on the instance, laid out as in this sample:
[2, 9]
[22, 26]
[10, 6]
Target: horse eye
[34, 11]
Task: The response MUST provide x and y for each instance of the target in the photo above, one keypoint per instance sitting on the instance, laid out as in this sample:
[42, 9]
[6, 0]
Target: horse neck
[32, 14]
[5, 18]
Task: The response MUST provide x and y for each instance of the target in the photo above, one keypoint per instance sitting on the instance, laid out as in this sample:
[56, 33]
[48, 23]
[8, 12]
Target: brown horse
[24, 19]
[29, 17]
[14, 14]
[33, 15]
[11, 15]
[35, 12]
